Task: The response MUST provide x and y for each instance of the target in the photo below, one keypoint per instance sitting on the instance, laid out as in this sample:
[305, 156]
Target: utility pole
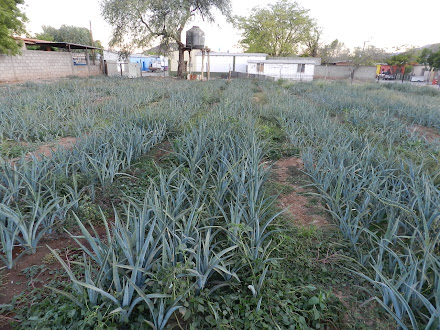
[91, 38]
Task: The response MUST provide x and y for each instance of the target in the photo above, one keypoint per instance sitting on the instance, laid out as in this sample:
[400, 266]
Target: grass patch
[12, 149]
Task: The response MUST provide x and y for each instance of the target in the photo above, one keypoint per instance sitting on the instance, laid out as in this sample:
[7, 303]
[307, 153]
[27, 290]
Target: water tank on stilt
[195, 38]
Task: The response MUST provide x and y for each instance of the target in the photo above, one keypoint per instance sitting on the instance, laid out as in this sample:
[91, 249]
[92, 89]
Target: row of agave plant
[415, 104]
[44, 112]
[113, 126]
[385, 204]
[33, 198]
[198, 228]
[207, 222]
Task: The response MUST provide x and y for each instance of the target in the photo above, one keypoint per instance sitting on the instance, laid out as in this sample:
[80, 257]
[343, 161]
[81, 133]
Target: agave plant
[31, 226]
[208, 260]
[9, 238]
[161, 315]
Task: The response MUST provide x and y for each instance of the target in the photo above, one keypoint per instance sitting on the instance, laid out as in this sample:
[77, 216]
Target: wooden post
[87, 61]
[91, 37]
[87, 57]
[208, 72]
[203, 64]
[189, 63]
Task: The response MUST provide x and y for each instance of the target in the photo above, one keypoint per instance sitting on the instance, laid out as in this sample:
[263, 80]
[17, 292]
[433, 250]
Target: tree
[402, 61]
[11, 22]
[367, 55]
[278, 30]
[136, 23]
[434, 60]
[313, 42]
[334, 51]
[72, 34]
[66, 33]
[429, 58]
[44, 36]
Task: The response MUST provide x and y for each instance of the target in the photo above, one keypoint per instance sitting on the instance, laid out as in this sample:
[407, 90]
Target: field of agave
[198, 241]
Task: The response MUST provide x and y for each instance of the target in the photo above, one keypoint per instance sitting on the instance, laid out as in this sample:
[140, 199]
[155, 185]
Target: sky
[382, 23]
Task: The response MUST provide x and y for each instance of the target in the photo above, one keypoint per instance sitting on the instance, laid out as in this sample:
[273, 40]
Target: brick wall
[33, 65]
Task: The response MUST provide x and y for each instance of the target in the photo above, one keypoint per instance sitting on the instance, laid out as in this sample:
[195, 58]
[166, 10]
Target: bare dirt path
[303, 209]
[46, 150]
[429, 133]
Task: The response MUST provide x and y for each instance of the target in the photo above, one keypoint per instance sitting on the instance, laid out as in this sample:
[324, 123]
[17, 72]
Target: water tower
[195, 38]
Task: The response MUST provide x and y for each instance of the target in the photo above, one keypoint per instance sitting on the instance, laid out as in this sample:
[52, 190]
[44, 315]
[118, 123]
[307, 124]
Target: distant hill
[418, 50]
[433, 47]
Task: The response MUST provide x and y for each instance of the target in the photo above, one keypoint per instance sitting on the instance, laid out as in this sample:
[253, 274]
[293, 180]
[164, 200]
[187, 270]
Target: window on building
[260, 67]
[301, 68]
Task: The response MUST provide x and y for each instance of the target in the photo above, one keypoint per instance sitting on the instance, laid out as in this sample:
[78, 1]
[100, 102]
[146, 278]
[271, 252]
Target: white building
[219, 62]
[299, 68]
[109, 55]
[225, 62]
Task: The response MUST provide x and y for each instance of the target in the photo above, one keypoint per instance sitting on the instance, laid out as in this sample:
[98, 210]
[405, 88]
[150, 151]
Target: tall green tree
[434, 60]
[403, 61]
[366, 55]
[429, 58]
[277, 30]
[66, 33]
[136, 23]
[334, 51]
[11, 22]
[313, 42]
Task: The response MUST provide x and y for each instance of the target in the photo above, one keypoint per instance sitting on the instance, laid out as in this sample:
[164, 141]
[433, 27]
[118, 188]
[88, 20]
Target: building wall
[311, 60]
[33, 65]
[419, 70]
[336, 72]
[225, 63]
[145, 61]
[174, 58]
[86, 70]
[111, 56]
[284, 71]
[129, 70]
[113, 68]
[241, 62]
[251, 76]
[218, 63]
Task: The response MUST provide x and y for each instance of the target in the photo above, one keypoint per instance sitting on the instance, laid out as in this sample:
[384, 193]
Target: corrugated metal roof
[67, 45]
[31, 41]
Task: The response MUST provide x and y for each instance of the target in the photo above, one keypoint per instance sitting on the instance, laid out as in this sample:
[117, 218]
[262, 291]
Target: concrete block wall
[33, 65]
[339, 72]
[236, 74]
[7, 71]
[130, 70]
[113, 68]
[95, 70]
